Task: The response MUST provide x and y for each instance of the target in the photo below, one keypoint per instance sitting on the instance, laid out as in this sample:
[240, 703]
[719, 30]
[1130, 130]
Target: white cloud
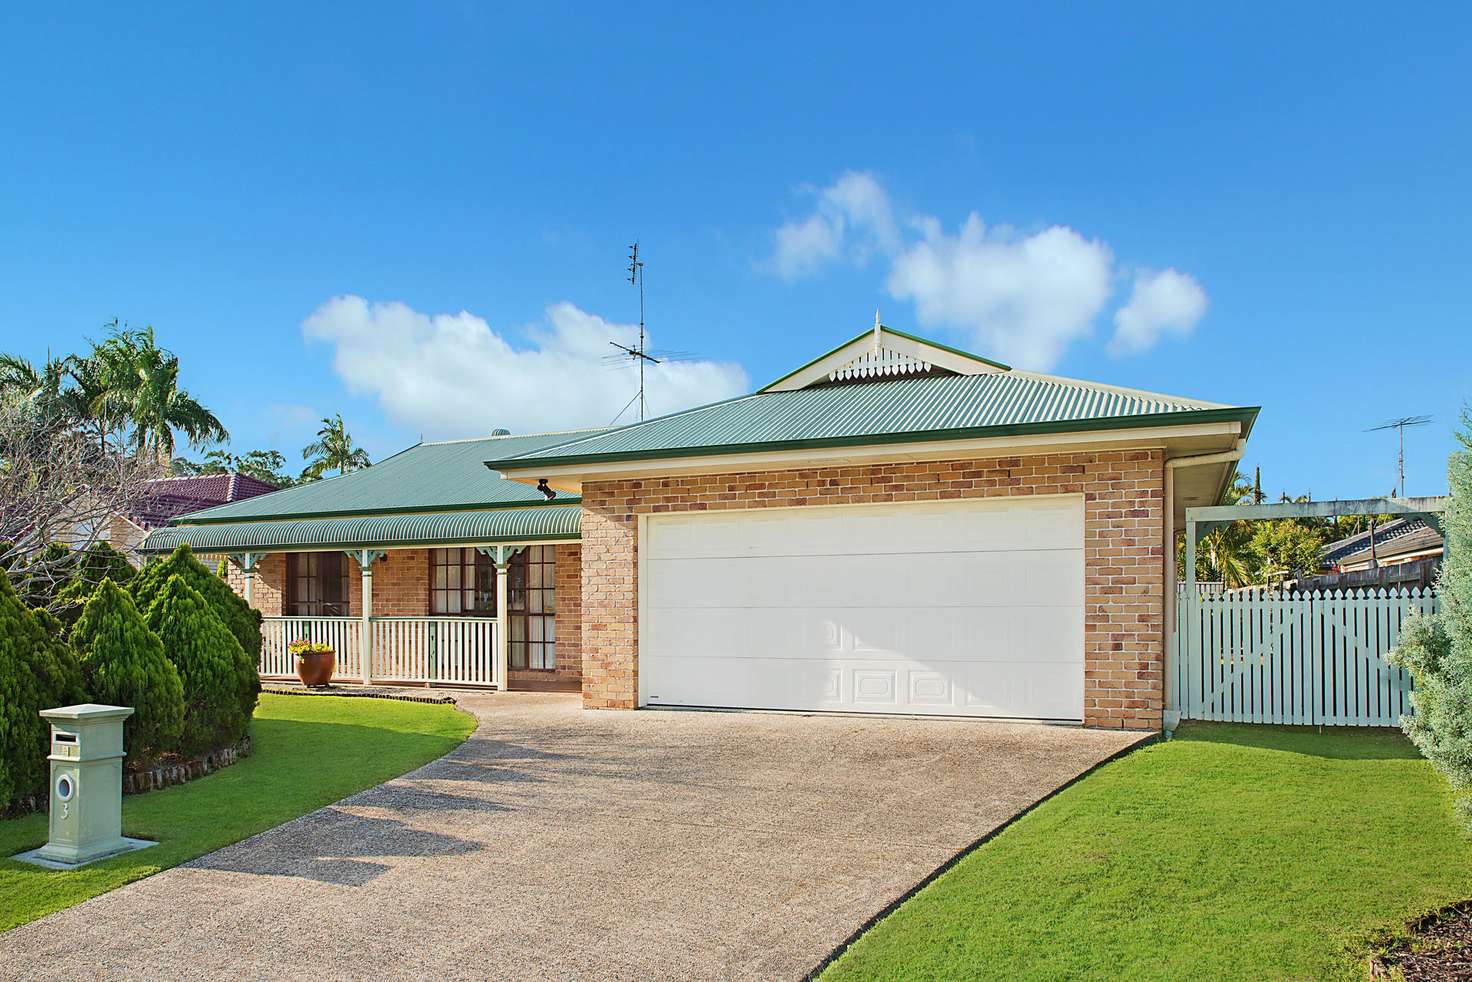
[451, 375]
[1023, 298]
[1160, 302]
[852, 218]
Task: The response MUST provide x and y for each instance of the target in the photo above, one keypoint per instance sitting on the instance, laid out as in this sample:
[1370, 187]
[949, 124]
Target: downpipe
[1171, 718]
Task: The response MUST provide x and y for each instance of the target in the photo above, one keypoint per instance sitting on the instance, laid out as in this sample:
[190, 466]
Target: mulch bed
[1438, 947]
[358, 692]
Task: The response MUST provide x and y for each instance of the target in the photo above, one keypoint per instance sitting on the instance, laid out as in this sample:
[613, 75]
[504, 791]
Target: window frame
[293, 603]
[521, 617]
[475, 566]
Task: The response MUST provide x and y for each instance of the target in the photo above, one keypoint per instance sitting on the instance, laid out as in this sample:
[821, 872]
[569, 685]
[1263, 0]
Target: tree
[333, 450]
[123, 664]
[1288, 546]
[242, 620]
[142, 386]
[58, 485]
[263, 465]
[1437, 651]
[206, 655]
[37, 671]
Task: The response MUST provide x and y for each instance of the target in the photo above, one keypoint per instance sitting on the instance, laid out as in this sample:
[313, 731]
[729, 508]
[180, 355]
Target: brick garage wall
[1123, 556]
[569, 583]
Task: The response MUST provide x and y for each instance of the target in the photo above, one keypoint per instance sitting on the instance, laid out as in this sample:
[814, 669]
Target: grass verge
[1230, 852]
[306, 753]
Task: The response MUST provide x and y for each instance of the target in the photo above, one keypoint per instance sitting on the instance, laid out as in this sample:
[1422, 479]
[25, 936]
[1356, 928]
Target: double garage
[948, 608]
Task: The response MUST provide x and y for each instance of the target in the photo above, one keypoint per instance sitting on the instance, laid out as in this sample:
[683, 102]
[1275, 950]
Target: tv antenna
[1400, 425]
[637, 354]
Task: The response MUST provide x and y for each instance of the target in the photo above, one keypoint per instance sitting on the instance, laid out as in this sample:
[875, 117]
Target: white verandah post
[501, 556]
[248, 561]
[365, 558]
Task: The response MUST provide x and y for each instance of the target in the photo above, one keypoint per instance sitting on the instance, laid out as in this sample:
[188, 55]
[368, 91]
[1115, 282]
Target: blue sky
[1286, 189]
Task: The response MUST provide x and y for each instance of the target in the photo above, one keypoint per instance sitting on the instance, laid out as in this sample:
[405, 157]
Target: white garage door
[969, 608]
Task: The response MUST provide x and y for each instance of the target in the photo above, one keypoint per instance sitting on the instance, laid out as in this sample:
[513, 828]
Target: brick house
[169, 497]
[896, 527]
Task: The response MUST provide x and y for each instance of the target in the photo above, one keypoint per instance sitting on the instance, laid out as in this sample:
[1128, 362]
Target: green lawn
[1230, 852]
[307, 751]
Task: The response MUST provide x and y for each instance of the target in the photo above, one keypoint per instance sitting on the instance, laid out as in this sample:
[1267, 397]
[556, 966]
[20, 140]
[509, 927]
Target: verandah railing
[1301, 658]
[454, 650]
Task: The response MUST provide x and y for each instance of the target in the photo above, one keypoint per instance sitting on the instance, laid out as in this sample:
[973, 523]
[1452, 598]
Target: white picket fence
[1317, 659]
[451, 650]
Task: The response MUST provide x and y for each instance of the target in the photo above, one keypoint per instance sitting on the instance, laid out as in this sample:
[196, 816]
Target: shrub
[205, 654]
[98, 562]
[123, 664]
[242, 620]
[37, 671]
[1437, 651]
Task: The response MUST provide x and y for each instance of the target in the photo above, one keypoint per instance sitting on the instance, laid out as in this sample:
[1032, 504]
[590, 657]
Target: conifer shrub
[98, 562]
[37, 671]
[206, 656]
[242, 620]
[1437, 651]
[123, 664]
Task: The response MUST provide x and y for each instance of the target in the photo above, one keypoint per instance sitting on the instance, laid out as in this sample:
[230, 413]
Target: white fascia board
[1190, 438]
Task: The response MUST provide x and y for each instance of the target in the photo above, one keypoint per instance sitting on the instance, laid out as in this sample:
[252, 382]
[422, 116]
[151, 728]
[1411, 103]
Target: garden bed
[1435, 948]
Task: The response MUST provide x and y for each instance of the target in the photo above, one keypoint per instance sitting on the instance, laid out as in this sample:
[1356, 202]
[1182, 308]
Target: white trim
[282, 550]
[820, 370]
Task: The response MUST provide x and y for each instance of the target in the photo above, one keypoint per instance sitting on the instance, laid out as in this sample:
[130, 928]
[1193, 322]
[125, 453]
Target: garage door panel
[969, 607]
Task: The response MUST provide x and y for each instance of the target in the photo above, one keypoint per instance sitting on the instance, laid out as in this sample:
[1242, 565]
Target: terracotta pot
[315, 668]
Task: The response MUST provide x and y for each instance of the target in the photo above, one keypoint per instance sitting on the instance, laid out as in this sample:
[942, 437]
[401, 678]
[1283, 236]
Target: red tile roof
[170, 497]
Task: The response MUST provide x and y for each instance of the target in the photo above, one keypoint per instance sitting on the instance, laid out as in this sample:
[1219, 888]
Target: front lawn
[307, 751]
[1230, 852]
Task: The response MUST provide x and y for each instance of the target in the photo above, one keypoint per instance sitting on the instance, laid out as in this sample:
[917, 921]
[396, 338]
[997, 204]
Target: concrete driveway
[558, 843]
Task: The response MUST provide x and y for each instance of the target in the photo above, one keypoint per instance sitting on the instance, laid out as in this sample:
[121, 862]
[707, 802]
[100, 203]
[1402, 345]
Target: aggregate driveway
[559, 843]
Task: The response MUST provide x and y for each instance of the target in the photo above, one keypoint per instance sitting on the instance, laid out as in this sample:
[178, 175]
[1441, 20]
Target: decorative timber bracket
[500, 555]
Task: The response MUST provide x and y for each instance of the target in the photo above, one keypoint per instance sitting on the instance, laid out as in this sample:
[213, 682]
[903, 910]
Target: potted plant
[314, 661]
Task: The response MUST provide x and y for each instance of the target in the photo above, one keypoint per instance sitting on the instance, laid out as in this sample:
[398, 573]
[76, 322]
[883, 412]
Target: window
[532, 604]
[461, 582]
[316, 584]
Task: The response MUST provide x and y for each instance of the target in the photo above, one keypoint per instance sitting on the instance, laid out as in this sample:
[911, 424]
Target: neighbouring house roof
[886, 410]
[170, 497]
[428, 477]
[551, 521]
[1400, 537]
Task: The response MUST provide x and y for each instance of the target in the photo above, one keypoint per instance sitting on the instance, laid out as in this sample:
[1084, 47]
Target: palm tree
[1222, 555]
[23, 382]
[142, 387]
[333, 450]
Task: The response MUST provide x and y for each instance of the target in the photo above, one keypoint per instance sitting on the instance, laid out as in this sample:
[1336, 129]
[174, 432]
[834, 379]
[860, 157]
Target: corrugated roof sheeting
[880, 409]
[427, 529]
[426, 477]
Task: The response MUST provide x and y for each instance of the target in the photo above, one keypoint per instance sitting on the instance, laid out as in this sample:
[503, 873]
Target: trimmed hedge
[37, 671]
[206, 656]
[123, 664]
[242, 620]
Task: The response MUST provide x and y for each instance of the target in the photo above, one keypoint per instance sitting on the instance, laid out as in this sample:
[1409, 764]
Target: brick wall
[1123, 556]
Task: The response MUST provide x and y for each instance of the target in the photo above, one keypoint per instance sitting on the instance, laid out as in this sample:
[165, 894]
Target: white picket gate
[1316, 659]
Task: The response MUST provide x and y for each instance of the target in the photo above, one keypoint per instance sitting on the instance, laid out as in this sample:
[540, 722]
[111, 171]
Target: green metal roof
[430, 477]
[550, 521]
[888, 411]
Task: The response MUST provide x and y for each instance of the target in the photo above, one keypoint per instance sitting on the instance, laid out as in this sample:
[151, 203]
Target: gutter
[1172, 715]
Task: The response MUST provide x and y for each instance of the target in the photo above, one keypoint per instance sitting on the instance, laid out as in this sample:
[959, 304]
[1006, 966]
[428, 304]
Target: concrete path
[559, 843]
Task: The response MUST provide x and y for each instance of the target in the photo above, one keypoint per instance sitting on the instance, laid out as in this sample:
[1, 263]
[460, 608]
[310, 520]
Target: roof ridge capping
[510, 436]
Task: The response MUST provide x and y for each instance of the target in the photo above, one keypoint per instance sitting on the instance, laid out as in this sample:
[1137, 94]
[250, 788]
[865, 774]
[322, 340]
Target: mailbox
[86, 808]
